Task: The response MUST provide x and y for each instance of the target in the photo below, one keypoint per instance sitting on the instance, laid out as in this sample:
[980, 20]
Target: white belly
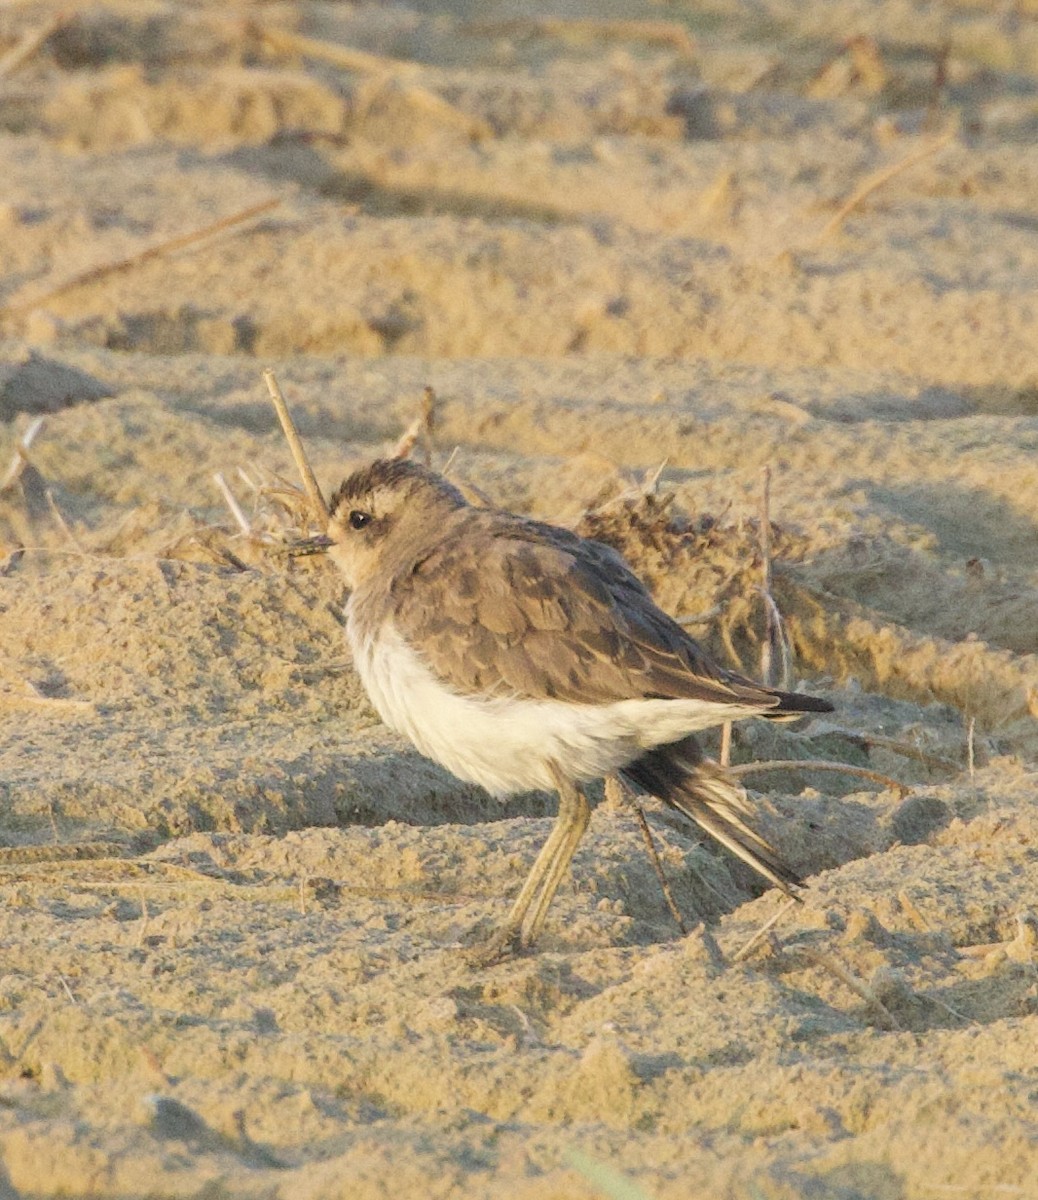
[509, 744]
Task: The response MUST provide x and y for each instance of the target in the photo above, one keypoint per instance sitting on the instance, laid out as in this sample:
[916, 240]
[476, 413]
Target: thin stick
[652, 481]
[724, 756]
[62, 524]
[774, 633]
[365, 63]
[435, 105]
[428, 423]
[657, 866]
[748, 948]
[247, 479]
[764, 532]
[232, 503]
[231, 558]
[914, 914]
[407, 441]
[419, 432]
[28, 44]
[776, 639]
[617, 794]
[20, 457]
[659, 33]
[828, 963]
[93, 274]
[815, 764]
[948, 1009]
[346, 57]
[295, 444]
[450, 461]
[876, 181]
[905, 750]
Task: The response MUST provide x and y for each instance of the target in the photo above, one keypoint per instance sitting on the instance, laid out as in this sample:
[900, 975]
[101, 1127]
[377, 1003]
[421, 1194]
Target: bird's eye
[359, 519]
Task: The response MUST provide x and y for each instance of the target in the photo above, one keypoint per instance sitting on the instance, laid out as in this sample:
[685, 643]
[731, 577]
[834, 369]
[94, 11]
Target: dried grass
[877, 180]
[159, 250]
[30, 43]
[669, 34]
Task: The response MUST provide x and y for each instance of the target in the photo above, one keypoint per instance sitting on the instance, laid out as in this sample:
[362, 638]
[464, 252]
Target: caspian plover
[519, 656]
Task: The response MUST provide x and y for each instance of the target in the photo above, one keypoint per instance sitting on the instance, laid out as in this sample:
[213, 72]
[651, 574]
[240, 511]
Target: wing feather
[510, 606]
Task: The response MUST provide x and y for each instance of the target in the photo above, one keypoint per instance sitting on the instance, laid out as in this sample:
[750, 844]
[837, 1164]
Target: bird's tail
[795, 704]
[679, 775]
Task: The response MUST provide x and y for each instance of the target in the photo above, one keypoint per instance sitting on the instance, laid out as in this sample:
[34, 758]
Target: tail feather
[679, 775]
[794, 704]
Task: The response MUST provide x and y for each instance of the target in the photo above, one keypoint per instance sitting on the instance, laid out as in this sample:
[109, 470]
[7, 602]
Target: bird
[521, 656]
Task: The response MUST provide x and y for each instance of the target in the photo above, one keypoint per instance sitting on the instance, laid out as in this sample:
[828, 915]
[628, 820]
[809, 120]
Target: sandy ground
[233, 904]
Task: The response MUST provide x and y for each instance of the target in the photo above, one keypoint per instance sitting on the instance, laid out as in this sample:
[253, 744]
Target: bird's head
[387, 515]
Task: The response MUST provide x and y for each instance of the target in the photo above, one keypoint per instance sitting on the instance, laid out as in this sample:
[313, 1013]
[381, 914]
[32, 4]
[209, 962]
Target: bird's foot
[503, 943]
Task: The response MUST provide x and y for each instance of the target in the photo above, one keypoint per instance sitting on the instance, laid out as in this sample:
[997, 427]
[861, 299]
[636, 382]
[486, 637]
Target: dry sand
[232, 902]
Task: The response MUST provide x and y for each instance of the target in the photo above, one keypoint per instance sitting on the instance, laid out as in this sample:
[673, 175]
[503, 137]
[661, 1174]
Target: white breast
[508, 744]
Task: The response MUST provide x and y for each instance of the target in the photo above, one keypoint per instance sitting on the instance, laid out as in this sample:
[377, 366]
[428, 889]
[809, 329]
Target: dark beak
[313, 545]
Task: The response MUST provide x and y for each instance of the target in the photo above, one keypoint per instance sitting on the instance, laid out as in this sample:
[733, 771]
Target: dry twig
[93, 274]
[748, 947]
[21, 457]
[657, 33]
[905, 749]
[407, 441]
[916, 917]
[295, 444]
[429, 422]
[775, 642]
[29, 43]
[231, 501]
[724, 755]
[419, 431]
[877, 180]
[617, 794]
[396, 70]
[657, 866]
[449, 464]
[60, 521]
[1021, 947]
[817, 764]
[284, 41]
[857, 986]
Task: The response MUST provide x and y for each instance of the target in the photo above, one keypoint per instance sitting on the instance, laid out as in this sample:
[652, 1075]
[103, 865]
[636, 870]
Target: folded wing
[544, 614]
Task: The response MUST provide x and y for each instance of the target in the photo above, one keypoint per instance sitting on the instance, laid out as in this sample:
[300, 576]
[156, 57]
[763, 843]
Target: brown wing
[513, 607]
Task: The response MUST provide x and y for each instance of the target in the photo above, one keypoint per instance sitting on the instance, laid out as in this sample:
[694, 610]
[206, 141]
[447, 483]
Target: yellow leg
[543, 881]
[574, 815]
